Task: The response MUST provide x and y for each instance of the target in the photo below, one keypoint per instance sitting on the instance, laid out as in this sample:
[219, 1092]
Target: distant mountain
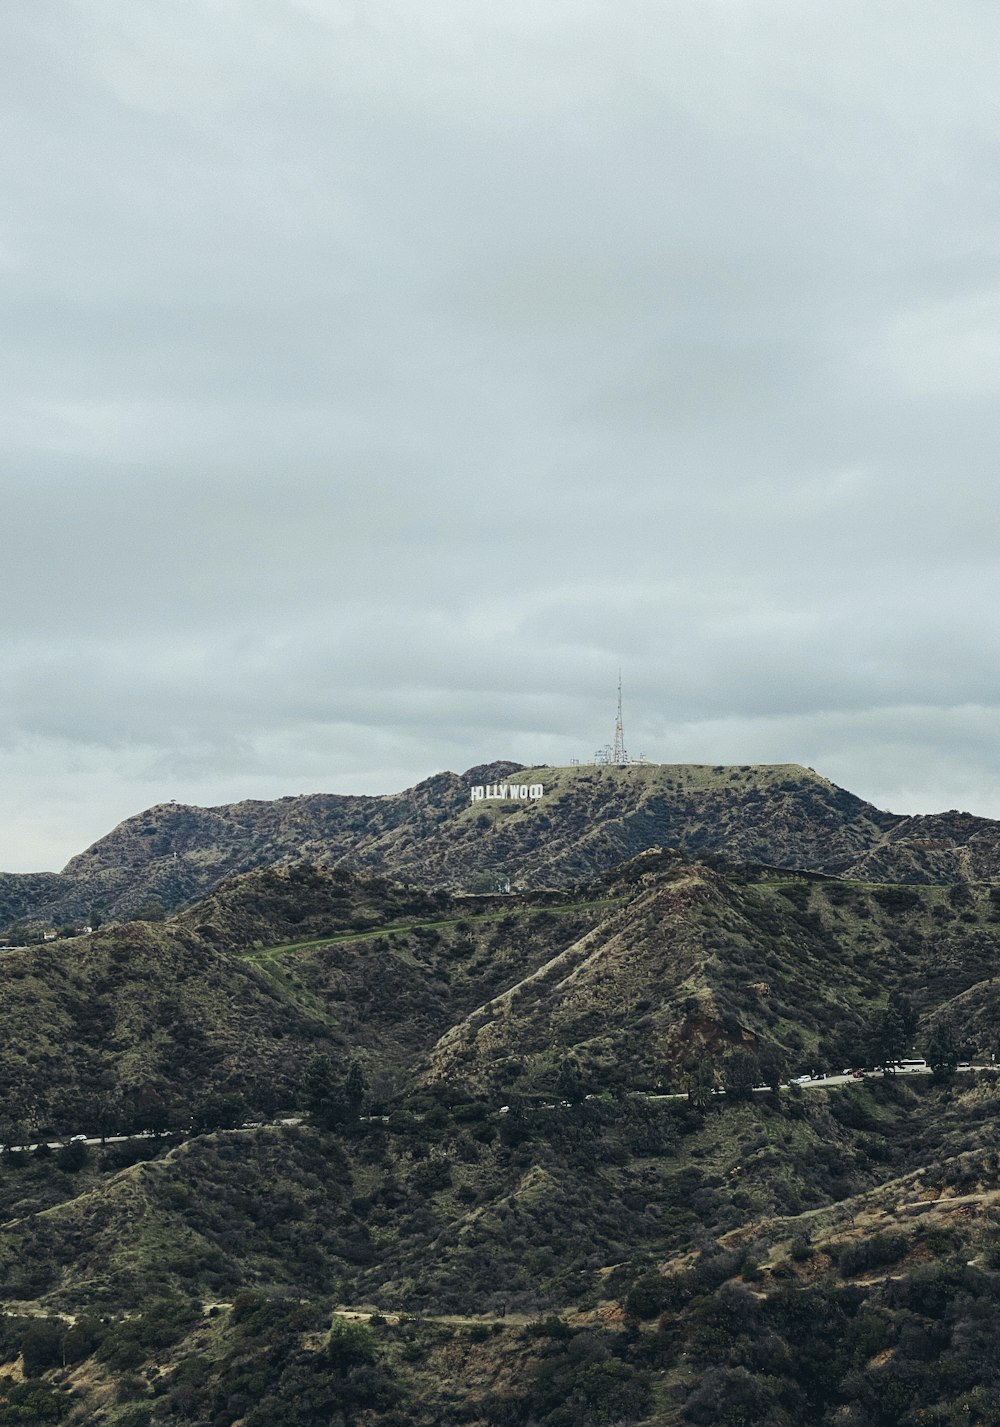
[588, 820]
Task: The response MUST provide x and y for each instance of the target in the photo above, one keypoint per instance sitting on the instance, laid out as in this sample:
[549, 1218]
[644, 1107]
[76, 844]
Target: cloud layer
[378, 378]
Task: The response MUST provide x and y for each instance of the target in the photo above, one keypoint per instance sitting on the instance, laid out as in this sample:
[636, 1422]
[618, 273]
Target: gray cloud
[376, 379]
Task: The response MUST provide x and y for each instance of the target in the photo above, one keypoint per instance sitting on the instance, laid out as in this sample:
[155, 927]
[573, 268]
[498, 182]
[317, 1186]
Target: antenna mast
[620, 756]
[617, 753]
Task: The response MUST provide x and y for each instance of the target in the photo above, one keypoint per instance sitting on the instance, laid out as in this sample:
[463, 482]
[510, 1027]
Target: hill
[809, 1259]
[702, 960]
[628, 976]
[812, 1256]
[140, 1022]
[589, 820]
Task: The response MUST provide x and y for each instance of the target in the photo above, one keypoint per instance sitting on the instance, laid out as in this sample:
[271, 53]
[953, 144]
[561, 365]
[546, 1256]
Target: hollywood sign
[506, 792]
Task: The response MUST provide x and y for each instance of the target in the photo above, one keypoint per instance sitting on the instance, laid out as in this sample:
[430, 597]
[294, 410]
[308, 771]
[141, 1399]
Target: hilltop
[589, 820]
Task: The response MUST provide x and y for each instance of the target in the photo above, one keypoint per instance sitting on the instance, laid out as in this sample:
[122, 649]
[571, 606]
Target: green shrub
[874, 1252]
[349, 1342]
[41, 1346]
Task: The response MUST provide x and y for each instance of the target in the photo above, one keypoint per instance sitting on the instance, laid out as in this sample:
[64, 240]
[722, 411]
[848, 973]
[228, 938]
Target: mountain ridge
[589, 819]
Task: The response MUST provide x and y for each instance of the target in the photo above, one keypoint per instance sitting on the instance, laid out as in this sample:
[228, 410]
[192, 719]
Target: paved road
[819, 1084]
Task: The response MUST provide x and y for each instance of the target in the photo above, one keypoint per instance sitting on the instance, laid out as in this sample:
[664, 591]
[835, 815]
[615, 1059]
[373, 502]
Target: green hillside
[536, 1211]
[698, 961]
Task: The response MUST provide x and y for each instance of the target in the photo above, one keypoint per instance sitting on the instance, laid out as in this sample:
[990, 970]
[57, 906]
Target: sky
[378, 379]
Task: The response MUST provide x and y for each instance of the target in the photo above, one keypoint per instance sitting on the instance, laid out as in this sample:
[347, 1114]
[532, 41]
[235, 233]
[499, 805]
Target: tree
[740, 1073]
[773, 1067]
[145, 1108]
[355, 1089]
[13, 1134]
[333, 1101]
[41, 1346]
[322, 1092]
[349, 1342]
[73, 1157]
[890, 1031]
[942, 1051]
[569, 1081]
[699, 1076]
[905, 1009]
[218, 1112]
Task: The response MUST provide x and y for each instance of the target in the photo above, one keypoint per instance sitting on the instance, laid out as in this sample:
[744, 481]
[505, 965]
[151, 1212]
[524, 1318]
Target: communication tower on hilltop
[620, 755]
[617, 753]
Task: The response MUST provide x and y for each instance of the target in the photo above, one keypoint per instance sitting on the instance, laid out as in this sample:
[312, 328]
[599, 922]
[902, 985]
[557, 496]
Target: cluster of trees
[918, 1349]
[739, 1072]
[889, 1032]
[332, 1100]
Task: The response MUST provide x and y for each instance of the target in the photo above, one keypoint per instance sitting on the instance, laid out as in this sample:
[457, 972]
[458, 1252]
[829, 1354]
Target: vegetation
[400, 1156]
[590, 820]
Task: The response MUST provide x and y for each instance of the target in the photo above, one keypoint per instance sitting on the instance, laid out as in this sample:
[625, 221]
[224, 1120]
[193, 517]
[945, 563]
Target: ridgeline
[589, 820]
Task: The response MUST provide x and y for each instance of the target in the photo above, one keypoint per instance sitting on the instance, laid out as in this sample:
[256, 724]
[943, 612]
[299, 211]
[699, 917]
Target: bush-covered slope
[701, 960]
[815, 1259]
[133, 1016]
[811, 1257]
[97, 1028]
[629, 977]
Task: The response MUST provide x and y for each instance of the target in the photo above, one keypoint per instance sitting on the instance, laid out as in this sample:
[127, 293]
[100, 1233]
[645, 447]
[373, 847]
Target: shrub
[41, 1346]
[801, 1249]
[647, 1297]
[349, 1343]
[550, 1327]
[73, 1157]
[874, 1252]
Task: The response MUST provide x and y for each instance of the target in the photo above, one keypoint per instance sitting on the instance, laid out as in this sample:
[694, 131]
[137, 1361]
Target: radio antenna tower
[616, 753]
[620, 756]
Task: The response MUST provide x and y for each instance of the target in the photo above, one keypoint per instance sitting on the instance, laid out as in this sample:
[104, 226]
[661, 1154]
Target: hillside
[589, 820]
[701, 960]
[630, 976]
[768, 1258]
[150, 1018]
[826, 1257]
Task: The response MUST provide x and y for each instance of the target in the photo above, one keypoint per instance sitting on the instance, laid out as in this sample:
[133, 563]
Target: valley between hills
[397, 1149]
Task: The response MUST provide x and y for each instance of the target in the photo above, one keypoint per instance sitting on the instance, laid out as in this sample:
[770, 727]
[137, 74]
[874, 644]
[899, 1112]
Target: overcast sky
[378, 377]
